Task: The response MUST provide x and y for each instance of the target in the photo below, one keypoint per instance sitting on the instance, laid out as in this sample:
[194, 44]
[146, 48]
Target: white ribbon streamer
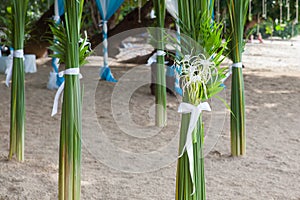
[152, 59]
[8, 71]
[70, 71]
[195, 111]
[19, 53]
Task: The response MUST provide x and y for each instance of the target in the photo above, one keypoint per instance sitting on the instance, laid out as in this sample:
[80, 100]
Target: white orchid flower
[197, 72]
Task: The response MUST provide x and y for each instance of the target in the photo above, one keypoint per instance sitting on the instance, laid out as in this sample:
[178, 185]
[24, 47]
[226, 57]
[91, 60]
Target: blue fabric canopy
[175, 71]
[54, 80]
[61, 11]
[107, 8]
[61, 8]
[58, 11]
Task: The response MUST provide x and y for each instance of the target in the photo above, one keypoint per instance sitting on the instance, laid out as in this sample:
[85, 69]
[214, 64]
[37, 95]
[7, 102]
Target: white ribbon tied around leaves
[16, 54]
[195, 111]
[153, 58]
[237, 65]
[70, 71]
[161, 53]
[234, 65]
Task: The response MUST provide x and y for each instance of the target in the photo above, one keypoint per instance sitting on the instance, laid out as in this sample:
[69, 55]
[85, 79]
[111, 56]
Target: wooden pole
[264, 9]
[297, 11]
[288, 10]
[218, 11]
[280, 6]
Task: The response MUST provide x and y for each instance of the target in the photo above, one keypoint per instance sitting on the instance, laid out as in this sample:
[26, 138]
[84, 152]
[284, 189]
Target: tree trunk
[40, 35]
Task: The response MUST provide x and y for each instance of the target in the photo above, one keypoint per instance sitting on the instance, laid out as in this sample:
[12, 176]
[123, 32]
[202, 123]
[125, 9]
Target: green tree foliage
[269, 26]
[35, 9]
[273, 9]
[34, 12]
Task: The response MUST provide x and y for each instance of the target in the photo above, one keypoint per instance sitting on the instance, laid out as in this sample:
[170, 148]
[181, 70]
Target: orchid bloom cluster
[197, 73]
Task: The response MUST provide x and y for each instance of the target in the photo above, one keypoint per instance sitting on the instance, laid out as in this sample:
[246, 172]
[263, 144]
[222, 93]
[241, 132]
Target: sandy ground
[125, 157]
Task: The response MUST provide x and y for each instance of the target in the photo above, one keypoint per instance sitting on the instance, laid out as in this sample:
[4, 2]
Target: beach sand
[119, 132]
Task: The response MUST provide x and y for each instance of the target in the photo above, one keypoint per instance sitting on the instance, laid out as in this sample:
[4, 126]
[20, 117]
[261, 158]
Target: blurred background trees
[40, 13]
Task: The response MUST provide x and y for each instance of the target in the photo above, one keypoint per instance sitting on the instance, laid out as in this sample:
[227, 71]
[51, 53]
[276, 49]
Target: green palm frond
[73, 54]
[59, 45]
[160, 86]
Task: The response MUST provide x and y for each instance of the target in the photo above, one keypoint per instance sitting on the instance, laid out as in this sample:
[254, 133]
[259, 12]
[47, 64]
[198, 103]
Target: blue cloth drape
[61, 8]
[55, 65]
[175, 71]
[106, 9]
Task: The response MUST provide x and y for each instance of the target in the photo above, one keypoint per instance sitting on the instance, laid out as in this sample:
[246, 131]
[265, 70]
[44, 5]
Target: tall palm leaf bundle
[73, 55]
[237, 15]
[190, 186]
[17, 118]
[160, 88]
[195, 22]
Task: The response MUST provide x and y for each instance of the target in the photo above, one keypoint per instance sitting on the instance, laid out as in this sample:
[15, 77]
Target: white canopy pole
[105, 44]
[264, 9]
[56, 12]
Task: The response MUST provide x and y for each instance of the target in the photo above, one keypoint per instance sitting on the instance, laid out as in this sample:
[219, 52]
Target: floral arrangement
[201, 79]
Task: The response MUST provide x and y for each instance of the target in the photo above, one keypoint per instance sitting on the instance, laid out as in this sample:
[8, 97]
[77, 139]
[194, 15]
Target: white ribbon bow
[195, 111]
[234, 65]
[16, 54]
[70, 71]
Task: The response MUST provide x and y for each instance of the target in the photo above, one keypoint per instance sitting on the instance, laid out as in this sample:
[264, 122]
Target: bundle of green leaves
[199, 57]
[237, 15]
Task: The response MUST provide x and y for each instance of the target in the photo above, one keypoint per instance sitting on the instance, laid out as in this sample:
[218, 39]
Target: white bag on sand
[52, 81]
